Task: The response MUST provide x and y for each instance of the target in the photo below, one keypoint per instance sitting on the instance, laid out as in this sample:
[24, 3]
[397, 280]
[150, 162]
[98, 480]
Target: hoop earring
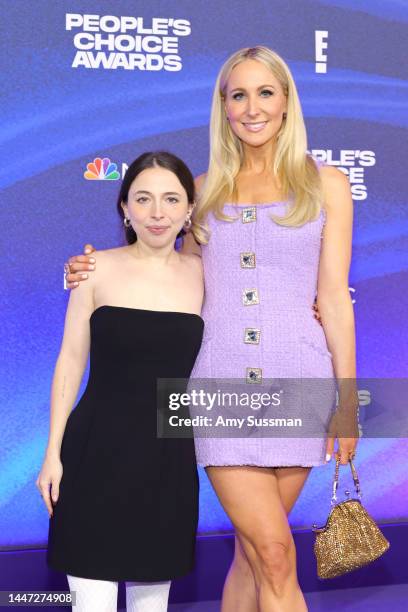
[127, 222]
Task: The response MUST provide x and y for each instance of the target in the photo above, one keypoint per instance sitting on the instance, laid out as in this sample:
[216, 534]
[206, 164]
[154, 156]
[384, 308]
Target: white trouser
[102, 595]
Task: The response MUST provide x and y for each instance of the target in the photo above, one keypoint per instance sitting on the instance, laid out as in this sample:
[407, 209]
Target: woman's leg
[291, 481]
[147, 596]
[239, 593]
[264, 535]
[93, 595]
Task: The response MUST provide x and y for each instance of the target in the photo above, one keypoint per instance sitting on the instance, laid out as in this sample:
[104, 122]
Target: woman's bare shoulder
[106, 256]
[333, 177]
[106, 259]
[336, 187]
[193, 262]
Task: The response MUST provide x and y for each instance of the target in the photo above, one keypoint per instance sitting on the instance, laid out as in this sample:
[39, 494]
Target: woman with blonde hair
[274, 229]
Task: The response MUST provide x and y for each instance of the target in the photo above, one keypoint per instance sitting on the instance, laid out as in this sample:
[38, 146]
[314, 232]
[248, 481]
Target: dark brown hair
[162, 159]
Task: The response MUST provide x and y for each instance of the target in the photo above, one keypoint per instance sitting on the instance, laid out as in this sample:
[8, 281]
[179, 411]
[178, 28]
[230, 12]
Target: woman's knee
[276, 563]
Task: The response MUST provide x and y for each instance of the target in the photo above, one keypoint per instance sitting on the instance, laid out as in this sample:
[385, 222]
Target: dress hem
[248, 463]
[120, 577]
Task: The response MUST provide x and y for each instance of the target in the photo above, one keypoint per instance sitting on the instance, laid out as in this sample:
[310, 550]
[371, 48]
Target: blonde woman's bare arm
[335, 305]
[190, 246]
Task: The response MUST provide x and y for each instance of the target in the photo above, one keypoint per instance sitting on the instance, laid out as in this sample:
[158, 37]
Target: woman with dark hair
[123, 503]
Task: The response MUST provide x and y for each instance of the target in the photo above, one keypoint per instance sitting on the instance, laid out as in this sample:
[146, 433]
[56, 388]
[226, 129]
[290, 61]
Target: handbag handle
[336, 480]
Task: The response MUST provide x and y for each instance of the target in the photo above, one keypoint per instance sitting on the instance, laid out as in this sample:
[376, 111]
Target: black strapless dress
[128, 504]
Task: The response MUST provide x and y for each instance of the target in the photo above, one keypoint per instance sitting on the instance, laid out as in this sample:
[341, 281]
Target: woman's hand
[316, 312]
[77, 266]
[344, 427]
[50, 477]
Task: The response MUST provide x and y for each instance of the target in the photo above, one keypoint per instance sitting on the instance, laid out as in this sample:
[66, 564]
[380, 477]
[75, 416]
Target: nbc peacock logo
[102, 170]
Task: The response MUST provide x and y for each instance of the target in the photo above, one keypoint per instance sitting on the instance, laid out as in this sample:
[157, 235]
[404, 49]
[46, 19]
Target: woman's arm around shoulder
[190, 246]
[78, 266]
[199, 182]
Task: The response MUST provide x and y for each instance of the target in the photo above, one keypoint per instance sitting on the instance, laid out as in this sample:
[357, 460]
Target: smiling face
[157, 206]
[254, 103]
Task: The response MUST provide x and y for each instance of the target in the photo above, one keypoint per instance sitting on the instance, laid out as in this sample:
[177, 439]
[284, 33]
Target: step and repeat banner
[89, 85]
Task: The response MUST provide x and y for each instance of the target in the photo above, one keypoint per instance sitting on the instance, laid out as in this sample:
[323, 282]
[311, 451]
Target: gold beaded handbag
[351, 538]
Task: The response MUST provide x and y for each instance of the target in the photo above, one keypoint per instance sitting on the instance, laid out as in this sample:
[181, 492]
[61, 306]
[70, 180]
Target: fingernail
[76, 284]
[91, 267]
[84, 276]
[87, 250]
[328, 457]
[92, 260]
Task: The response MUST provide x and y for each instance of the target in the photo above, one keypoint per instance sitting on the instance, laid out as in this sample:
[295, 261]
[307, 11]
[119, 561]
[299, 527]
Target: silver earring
[127, 222]
[187, 223]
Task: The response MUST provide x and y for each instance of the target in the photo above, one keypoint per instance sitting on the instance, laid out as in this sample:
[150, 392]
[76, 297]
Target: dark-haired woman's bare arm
[68, 373]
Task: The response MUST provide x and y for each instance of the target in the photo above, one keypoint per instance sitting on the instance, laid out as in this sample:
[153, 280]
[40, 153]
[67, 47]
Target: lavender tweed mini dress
[260, 285]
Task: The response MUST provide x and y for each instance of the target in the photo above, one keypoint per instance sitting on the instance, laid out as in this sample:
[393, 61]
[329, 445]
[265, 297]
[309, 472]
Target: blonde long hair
[295, 169]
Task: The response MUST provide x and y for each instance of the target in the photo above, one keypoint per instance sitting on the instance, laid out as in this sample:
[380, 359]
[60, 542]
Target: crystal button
[250, 297]
[252, 335]
[249, 214]
[247, 260]
[254, 375]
